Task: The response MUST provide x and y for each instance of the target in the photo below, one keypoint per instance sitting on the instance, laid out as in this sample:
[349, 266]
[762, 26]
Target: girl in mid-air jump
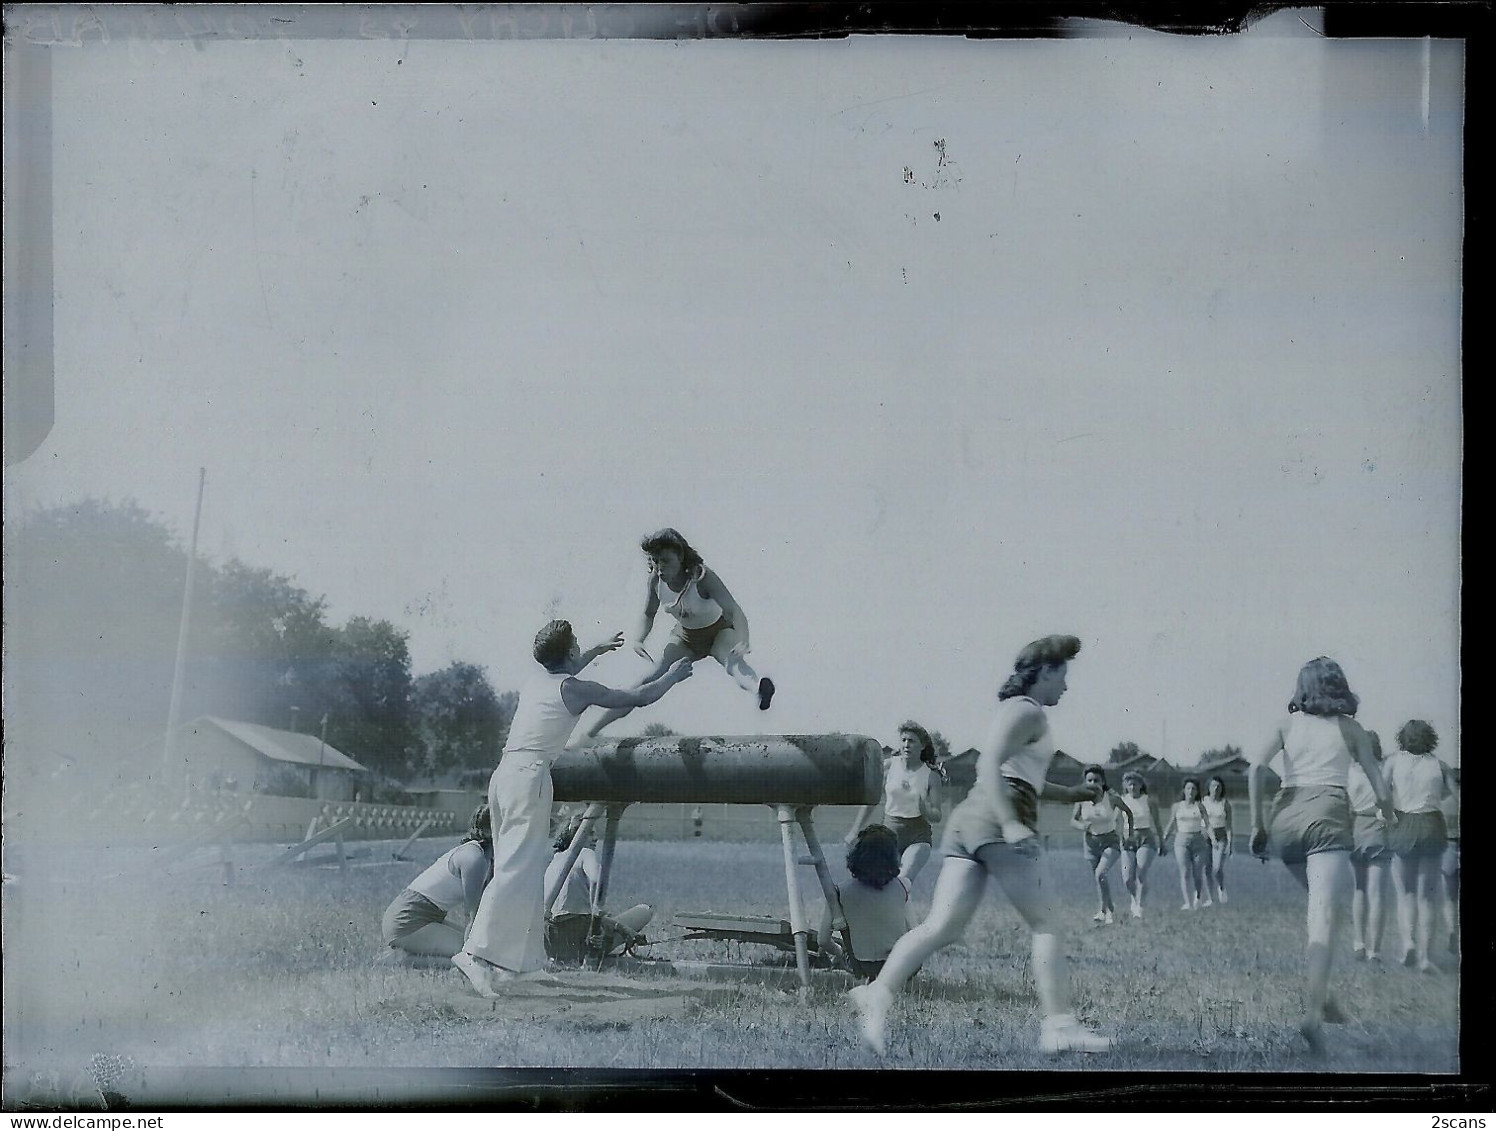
[708, 622]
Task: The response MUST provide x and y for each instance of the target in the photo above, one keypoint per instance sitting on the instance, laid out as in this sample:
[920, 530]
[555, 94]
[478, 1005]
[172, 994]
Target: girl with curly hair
[1098, 822]
[993, 833]
[1191, 848]
[1419, 785]
[912, 781]
[429, 919]
[708, 621]
[1310, 824]
[1371, 858]
[1140, 847]
[1218, 830]
[874, 907]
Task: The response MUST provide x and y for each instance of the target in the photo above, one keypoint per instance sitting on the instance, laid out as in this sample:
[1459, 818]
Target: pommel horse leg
[604, 869]
[823, 873]
[786, 815]
[573, 850]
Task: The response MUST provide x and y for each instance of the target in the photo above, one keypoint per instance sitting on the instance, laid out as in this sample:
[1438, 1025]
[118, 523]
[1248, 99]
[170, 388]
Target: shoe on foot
[1187, 907]
[872, 1002]
[1373, 956]
[765, 693]
[1222, 896]
[1064, 1033]
[1205, 902]
[1108, 918]
[1427, 967]
[1099, 917]
[484, 977]
[1410, 958]
[1136, 908]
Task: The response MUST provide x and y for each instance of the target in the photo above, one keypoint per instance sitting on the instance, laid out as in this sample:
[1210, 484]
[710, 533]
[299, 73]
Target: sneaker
[1099, 917]
[1136, 908]
[1108, 918]
[765, 693]
[1205, 902]
[1427, 967]
[872, 1002]
[1313, 1036]
[1410, 958]
[1221, 898]
[1065, 1034]
[1187, 907]
[1373, 956]
[484, 977]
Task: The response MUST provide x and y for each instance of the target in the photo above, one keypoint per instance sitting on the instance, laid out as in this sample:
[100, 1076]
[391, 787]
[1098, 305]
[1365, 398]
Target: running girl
[1141, 846]
[1218, 830]
[911, 799]
[992, 833]
[1191, 850]
[1103, 846]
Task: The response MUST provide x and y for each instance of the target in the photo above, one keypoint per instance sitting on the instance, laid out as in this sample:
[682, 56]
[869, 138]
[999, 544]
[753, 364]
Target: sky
[929, 346]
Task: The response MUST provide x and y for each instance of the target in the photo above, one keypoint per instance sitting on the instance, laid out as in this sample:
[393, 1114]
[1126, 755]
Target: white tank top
[541, 723]
[1358, 785]
[689, 606]
[903, 788]
[574, 897]
[1417, 782]
[875, 917]
[1142, 812]
[1188, 819]
[1099, 816]
[440, 883]
[1216, 811]
[1314, 752]
[1031, 763]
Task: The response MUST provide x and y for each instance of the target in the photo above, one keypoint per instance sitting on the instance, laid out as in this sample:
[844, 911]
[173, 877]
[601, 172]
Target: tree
[1124, 752]
[657, 730]
[942, 745]
[370, 686]
[459, 721]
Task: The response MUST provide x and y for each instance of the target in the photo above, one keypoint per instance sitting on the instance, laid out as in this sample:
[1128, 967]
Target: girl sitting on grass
[423, 921]
[875, 906]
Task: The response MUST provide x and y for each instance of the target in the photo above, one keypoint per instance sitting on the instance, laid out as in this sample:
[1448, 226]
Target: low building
[224, 754]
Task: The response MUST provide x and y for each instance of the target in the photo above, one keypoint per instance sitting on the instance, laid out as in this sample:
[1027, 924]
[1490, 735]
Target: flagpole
[173, 717]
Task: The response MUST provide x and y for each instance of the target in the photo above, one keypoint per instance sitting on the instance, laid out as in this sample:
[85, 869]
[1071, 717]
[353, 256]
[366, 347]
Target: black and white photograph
[558, 550]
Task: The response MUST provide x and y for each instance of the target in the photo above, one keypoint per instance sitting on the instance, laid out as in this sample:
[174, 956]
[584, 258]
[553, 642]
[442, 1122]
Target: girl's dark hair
[1194, 782]
[1322, 690]
[1212, 782]
[564, 837]
[1417, 737]
[670, 539]
[1098, 771]
[1048, 652]
[926, 744]
[480, 827]
[873, 858]
[1376, 744]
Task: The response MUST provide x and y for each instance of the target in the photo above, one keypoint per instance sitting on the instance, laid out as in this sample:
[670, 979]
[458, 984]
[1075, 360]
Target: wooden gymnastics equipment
[791, 773]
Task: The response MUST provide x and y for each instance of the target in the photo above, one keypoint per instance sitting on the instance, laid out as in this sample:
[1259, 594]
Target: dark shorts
[1194, 846]
[1418, 835]
[1097, 845]
[867, 971]
[972, 824]
[1220, 836]
[910, 830]
[408, 914]
[1143, 838]
[1369, 837]
[1310, 819]
[697, 641]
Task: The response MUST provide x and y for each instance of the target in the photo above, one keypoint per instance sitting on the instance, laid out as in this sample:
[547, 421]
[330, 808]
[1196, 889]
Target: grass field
[180, 971]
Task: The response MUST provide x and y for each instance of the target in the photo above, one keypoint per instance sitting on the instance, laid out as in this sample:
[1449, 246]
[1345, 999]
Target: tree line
[93, 604]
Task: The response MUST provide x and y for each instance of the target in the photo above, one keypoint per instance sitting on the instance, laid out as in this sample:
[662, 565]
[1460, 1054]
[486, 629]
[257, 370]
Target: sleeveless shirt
[541, 723]
[1314, 752]
[903, 788]
[689, 606]
[1100, 816]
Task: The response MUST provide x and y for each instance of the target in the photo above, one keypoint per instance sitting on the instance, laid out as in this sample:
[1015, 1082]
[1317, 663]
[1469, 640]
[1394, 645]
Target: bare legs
[1368, 914]
[1219, 850]
[1326, 876]
[1109, 857]
[1191, 863]
[1135, 865]
[913, 861]
[1418, 890]
[958, 892]
[433, 940]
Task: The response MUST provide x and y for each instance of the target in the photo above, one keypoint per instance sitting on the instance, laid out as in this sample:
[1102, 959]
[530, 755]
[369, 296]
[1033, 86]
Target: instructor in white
[507, 938]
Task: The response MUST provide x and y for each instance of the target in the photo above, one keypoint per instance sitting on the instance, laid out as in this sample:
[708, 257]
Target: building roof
[281, 745]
